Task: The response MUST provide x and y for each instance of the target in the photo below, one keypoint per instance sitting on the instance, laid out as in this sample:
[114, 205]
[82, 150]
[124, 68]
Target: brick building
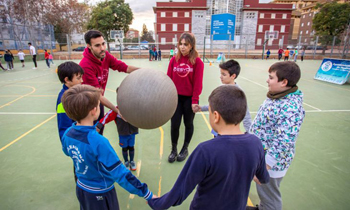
[174, 18]
[259, 18]
[132, 33]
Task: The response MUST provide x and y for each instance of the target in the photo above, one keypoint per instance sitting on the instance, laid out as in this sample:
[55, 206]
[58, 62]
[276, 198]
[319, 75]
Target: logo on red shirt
[183, 69]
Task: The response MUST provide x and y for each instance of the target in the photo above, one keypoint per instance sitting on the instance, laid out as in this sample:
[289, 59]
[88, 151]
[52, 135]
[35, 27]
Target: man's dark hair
[79, 100]
[231, 66]
[230, 102]
[287, 70]
[68, 69]
[29, 43]
[92, 34]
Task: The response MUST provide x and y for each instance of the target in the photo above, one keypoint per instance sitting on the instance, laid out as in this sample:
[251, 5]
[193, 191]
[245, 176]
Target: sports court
[35, 174]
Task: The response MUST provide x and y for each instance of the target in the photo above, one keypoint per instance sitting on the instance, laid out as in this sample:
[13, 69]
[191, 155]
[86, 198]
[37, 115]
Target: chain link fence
[250, 46]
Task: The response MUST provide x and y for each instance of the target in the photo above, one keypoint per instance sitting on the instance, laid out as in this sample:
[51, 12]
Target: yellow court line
[161, 142]
[26, 133]
[20, 96]
[28, 96]
[160, 184]
[249, 202]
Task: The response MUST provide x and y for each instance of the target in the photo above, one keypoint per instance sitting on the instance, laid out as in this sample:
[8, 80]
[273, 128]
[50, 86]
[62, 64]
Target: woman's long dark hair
[190, 39]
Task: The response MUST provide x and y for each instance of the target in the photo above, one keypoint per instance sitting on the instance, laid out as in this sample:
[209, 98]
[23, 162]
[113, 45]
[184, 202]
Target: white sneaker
[34, 68]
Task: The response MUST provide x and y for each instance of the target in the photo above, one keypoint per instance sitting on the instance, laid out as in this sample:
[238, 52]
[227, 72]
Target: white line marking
[307, 111]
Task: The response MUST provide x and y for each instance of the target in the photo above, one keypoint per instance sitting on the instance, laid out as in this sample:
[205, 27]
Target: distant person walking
[155, 54]
[13, 58]
[171, 53]
[280, 52]
[1, 64]
[268, 54]
[286, 55]
[21, 55]
[33, 53]
[47, 59]
[51, 59]
[296, 55]
[8, 59]
[159, 55]
[302, 54]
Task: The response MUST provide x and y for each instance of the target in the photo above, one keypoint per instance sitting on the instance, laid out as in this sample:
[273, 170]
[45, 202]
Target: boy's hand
[196, 108]
[256, 180]
[268, 167]
[99, 126]
[153, 197]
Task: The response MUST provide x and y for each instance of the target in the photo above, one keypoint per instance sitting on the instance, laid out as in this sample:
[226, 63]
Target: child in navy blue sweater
[222, 168]
[96, 163]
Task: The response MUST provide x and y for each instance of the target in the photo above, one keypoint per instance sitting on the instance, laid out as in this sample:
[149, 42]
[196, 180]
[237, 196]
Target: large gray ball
[147, 98]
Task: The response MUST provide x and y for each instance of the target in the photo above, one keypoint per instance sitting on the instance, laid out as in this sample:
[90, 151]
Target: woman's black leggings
[184, 108]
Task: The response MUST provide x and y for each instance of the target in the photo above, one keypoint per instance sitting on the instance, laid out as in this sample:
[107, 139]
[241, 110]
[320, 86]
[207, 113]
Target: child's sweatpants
[270, 195]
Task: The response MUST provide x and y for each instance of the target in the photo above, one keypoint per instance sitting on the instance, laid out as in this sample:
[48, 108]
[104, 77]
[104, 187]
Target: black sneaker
[252, 207]
[172, 156]
[182, 155]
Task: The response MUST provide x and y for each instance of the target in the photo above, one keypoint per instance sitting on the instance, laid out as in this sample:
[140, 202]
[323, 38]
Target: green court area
[35, 174]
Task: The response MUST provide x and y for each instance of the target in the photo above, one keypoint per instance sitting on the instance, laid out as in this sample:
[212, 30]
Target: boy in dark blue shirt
[221, 168]
[70, 74]
[96, 163]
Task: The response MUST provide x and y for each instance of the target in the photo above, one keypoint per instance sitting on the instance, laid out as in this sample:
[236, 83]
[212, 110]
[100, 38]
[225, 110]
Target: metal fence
[66, 46]
[16, 36]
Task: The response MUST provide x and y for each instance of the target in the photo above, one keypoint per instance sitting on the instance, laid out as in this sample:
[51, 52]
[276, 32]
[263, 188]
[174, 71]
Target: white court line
[206, 113]
[307, 111]
[267, 88]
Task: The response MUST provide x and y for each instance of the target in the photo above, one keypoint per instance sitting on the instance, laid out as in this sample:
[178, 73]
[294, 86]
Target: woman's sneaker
[132, 166]
[127, 164]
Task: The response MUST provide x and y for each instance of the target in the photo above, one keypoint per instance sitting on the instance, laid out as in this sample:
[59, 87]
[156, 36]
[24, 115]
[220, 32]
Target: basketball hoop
[270, 35]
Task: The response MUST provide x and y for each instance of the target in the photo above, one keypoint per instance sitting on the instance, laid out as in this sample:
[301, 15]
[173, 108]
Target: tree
[110, 15]
[67, 17]
[146, 35]
[332, 20]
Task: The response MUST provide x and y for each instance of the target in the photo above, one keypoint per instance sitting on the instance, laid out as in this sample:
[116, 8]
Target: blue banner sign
[334, 71]
[223, 26]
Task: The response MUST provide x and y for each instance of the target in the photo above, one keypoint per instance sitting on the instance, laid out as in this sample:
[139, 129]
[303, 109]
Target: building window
[174, 40]
[162, 14]
[187, 14]
[302, 24]
[273, 16]
[308, 23]
[260, 28]
[162, 27]
[262, 15]
[258, 42]
[283, 28]
[284, 16]
[272, 27]
[303, 16]
[174, 27]
[163, 40]
[301, 32]
[310, 14]
[305, 40]
[187, 27]
[174, 14]
[307, 32]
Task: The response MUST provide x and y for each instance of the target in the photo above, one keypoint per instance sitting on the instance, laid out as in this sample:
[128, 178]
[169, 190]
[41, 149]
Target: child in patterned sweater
[277, 125]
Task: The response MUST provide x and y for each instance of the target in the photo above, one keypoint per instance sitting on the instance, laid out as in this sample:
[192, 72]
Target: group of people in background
[9, 58]
[289, 53]
[155, 55]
